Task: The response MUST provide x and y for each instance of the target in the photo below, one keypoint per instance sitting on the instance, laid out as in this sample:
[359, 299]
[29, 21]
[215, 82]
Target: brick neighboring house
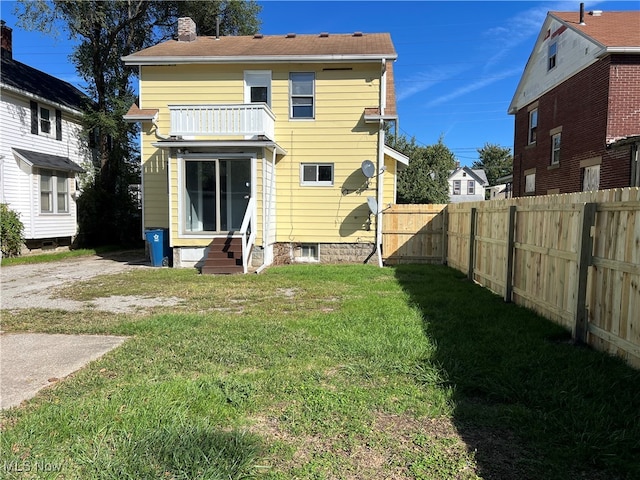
[577, 106]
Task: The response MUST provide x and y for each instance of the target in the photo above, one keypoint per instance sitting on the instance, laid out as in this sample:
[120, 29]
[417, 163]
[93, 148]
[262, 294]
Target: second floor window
[553, 54]
[555, 148]
[302, 93]
[533, 125]
[471, 187]
[457, 187]
[46, 121]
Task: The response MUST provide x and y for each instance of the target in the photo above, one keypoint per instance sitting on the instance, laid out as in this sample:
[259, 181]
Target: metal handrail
[248, 232]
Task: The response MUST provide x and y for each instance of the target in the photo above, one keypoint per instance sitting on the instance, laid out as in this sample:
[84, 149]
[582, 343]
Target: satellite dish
[368, 168]
[373, 205]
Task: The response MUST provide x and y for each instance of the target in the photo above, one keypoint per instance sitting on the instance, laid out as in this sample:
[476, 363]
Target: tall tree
[425, 179]
[496, 161]
[105, 31]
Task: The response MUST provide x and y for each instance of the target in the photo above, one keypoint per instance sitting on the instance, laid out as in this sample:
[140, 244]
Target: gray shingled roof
[28, 79]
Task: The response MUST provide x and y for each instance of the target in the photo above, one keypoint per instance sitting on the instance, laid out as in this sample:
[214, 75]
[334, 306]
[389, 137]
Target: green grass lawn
[324, 372]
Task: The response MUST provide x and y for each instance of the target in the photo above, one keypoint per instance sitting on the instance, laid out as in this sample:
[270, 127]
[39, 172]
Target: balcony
[248, 120]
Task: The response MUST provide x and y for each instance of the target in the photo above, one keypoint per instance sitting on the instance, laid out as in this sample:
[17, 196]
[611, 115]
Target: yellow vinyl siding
[337, 135]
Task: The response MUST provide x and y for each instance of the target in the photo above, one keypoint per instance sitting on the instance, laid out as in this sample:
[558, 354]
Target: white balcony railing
[252, 119]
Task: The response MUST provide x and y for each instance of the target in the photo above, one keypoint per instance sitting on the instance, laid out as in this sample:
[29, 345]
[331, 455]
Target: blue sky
[458, 66]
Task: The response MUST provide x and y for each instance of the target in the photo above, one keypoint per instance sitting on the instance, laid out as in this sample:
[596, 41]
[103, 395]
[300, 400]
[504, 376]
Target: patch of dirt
[31, 286]
[385, 453]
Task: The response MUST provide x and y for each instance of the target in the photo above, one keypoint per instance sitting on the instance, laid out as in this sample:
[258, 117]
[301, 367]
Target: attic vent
[324, 35]
[290, 35]
[258, 35]
[357, 34]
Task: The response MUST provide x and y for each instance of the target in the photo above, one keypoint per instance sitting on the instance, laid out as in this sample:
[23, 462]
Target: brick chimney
[7, 43]
[186, 30]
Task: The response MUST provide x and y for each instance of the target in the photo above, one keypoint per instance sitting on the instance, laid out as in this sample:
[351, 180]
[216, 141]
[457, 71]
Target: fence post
[445, 235]
[511, 234]
[585, 251]
[472, 241]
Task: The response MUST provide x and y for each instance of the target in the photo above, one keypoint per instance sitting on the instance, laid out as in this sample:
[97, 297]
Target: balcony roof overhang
[180, 143]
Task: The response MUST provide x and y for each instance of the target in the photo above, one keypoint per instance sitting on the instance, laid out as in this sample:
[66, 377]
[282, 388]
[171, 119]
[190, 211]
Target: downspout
[379, 177]
[159, 136]
[267, 215]
[379, 184]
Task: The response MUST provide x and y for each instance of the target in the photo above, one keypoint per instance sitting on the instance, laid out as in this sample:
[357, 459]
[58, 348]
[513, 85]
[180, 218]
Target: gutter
[40, 99]
[189, 59]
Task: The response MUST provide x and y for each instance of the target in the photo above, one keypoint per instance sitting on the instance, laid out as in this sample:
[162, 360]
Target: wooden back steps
[225, 256]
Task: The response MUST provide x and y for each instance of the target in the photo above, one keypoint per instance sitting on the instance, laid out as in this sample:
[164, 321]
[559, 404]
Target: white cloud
[476, 85]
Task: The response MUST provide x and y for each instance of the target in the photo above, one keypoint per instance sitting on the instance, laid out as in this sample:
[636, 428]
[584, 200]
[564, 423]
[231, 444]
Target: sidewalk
[32, 361]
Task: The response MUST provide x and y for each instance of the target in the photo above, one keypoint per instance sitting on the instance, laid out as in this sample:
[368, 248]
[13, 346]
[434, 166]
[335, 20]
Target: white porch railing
[248, 232]
[225, 120]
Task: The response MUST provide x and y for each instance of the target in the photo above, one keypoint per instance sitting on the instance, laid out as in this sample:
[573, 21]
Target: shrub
[11, 232]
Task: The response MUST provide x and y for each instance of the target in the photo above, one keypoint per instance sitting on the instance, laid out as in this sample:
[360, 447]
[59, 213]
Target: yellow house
[262, 149]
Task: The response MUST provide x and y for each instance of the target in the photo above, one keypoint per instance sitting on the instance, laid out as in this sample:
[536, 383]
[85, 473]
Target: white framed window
[316, 174]
[533, 126]
[457, 186]
[591, 178]
[257, 86]
[555, 148]
[54, 192]
[302, 95]
[44, 121]
[308, 252]
[553, 55]
[471, 187]
[530, 183]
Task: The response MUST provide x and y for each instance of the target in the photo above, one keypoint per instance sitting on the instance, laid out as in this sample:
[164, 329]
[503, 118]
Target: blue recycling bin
[158, 240]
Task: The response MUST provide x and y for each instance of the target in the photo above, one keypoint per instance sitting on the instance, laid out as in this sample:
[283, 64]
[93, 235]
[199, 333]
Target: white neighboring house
[41, 150]
[467, 185]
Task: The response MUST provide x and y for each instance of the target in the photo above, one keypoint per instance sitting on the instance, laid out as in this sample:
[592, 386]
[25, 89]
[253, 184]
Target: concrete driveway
[31, 361]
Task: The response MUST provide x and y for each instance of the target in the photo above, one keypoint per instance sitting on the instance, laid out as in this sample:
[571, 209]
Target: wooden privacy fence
[574, 258]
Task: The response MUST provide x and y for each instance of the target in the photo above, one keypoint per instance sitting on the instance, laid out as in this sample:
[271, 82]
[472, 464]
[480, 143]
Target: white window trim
[312, 96]
[532, 131]
[257, 78]
[555, 149]
[471, 187]
[54, 175]
[552, 58]
[317, 183]
[299, 257]
[52, 121]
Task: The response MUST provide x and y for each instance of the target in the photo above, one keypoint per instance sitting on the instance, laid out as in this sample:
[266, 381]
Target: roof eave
[41, 99]
[619, 51]
[188, 59]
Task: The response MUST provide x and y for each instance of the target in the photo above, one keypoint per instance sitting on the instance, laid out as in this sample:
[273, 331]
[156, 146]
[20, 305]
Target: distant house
[266, 148]
[467, 185]
[41, 150]
[576, 108]
[503, 188]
